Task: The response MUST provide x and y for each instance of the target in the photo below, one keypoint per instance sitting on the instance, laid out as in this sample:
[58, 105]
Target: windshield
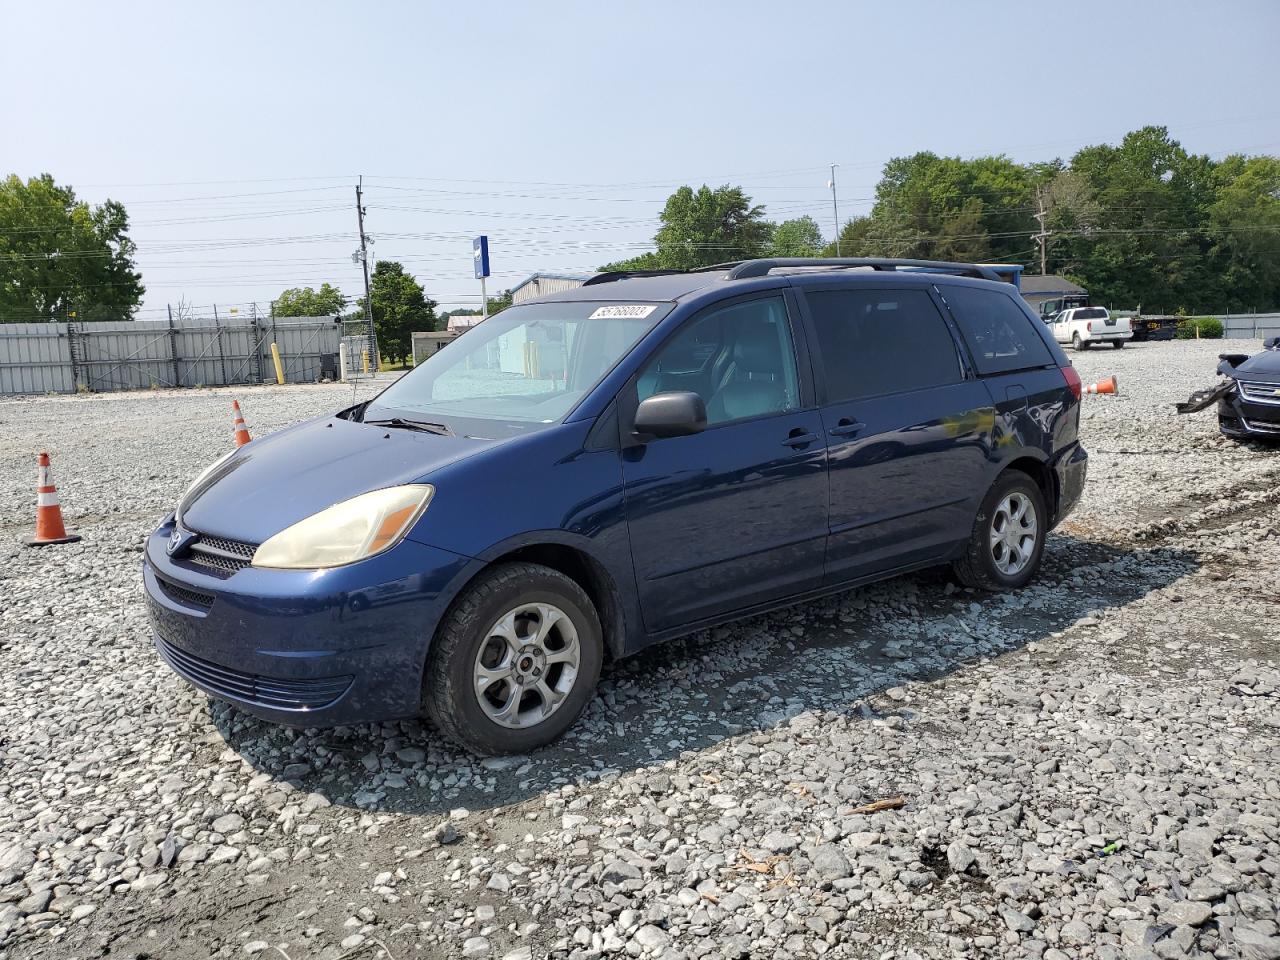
[522, 369]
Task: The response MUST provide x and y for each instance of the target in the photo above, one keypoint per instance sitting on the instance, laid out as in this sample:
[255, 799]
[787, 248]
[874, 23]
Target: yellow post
[275, 357]
[364, 360]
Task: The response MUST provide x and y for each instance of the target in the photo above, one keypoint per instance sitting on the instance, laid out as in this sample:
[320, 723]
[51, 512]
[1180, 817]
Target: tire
[472, 648]
[978, 567]
[1117, 344]
[1077, 343]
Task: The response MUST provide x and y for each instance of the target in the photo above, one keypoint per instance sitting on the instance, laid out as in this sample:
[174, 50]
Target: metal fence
[134, 355]
[1249, 325]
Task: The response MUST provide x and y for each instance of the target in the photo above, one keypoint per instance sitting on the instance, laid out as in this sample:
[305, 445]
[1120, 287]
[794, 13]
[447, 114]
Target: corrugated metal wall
[35, 358]
[136, 355]
[541, 286]
[1246, 326]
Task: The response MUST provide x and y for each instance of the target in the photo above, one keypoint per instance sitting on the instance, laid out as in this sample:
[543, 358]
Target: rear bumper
[1102, 336]
[1070, 468]
[308, 648]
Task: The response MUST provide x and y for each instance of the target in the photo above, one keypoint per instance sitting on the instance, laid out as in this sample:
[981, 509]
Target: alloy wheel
[1013, 533]
[527, 665]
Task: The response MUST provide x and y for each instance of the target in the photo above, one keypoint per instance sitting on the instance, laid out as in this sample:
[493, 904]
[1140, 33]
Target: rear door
[1009, 353]
[907, 428]
[736, 515]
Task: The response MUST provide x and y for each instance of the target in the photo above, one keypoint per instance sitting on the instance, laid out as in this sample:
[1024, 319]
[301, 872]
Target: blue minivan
[586, 474]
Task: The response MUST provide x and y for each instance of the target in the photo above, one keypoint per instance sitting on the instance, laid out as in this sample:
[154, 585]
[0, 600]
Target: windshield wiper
[399, 422]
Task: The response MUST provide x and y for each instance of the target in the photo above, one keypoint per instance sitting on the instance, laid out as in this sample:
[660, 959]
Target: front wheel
[1077, 343]
[1008, 536]
[516, 660]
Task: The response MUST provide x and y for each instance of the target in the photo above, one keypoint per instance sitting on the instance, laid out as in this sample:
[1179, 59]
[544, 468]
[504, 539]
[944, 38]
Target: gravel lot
[1089, 768]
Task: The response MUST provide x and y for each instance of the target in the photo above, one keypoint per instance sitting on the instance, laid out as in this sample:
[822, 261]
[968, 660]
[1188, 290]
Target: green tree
[500, 302]
[797, 238]
[307, 302]
[400, 307]
[645, 261]
[946, 208]
[59, 256]
[1244, 232]
[700, 227]
[1150, 244]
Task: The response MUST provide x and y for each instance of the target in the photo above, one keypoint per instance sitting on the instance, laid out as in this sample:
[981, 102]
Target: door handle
[799, 437]
[846, 427]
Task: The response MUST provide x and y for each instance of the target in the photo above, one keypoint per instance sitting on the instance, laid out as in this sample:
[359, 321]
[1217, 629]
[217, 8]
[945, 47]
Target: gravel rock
[831, 863]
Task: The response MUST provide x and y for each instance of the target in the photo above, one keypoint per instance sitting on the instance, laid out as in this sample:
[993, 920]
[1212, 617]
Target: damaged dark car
[1248, 398]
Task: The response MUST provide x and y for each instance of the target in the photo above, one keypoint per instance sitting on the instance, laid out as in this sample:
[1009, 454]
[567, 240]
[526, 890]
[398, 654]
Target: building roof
[1037, 285]
[532, 278]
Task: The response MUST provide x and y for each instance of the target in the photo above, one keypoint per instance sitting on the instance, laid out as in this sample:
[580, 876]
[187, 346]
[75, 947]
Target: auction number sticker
[623, 311]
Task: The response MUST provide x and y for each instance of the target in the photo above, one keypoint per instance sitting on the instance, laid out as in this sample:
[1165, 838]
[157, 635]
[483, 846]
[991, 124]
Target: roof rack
[761, 268]
[613, 275]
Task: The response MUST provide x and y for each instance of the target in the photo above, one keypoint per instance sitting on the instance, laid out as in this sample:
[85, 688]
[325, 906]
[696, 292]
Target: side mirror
[675, 414]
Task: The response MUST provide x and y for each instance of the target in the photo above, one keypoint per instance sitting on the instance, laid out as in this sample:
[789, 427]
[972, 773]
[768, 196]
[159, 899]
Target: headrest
[757, 348]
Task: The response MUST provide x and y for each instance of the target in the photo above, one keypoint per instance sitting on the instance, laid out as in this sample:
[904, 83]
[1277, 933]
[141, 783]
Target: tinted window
[1090, 313]
[997, 330]
[874, 342]
[739, 359]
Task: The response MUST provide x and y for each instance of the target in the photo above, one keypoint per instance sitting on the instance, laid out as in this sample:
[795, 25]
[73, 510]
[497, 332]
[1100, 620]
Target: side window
[740, 359]
[877, 342]
[997, 330]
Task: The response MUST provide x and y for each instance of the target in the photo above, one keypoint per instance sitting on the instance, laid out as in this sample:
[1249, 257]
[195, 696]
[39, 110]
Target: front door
[735, 515]
[908, 432]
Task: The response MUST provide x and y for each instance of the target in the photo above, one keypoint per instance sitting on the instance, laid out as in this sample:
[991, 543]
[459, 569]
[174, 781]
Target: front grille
[250, 688]
[1256, 392]
[181, 594]
[221, 554]
[1258, 426]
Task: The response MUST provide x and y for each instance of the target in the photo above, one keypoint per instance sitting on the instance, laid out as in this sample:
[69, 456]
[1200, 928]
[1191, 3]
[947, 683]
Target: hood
[1264, 366]
[275, 481]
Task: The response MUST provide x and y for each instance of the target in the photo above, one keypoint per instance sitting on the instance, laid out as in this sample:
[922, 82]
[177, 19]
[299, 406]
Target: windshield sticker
[623, 311]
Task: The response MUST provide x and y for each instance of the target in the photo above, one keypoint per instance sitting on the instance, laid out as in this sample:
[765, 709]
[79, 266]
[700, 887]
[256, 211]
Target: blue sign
[480, 252]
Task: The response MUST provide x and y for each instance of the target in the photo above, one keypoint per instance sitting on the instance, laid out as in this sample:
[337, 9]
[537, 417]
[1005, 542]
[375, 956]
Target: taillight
[1089, 326]
[1073, 380]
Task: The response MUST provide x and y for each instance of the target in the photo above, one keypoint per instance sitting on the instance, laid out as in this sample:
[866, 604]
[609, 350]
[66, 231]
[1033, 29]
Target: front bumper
[1070, 469]
[1242, 419]
[307, 648]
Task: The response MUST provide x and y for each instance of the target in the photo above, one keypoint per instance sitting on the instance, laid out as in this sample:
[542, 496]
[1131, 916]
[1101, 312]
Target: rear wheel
[516, 660]
[1117, 344]
[1008, 536]
[1077, 343]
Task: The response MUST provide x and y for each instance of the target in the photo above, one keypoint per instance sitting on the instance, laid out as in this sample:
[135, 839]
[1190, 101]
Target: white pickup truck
[1082, 327]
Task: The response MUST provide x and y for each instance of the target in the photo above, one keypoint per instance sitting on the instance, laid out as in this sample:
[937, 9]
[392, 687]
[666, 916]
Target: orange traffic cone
[242, 432]
[1109, 385]
[49, 528]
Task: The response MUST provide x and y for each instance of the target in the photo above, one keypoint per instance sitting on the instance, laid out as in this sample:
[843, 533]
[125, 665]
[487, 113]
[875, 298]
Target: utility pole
[364, 262]
[1044, 234]
[835, 210]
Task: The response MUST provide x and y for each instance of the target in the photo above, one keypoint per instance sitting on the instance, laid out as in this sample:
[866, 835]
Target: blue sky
[235, 131]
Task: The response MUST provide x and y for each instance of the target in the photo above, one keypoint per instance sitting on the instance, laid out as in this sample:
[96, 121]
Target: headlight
[349, 531]
[198, 481]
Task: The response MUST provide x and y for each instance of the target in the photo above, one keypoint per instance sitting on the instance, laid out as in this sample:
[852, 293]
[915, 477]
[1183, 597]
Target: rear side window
[1001, 336]
[877, 342]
